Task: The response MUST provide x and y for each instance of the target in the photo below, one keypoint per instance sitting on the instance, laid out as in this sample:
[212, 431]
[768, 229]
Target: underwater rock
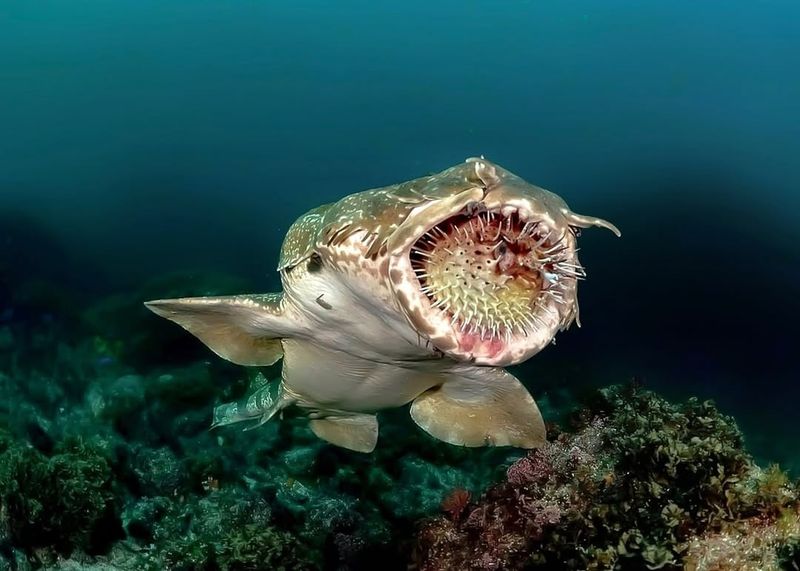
[755, 544]
[15, 560]
[118, 398]
[299, 460]
[255, 547]
[227, 530]
[333, 513]
[183, 388]
[422, 486]
[294, 496]
[158, 471]
[140, 518]
[639, 484]
[55, 504]
[159, 490]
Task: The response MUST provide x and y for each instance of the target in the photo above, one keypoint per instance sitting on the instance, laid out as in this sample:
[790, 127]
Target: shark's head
[489, 273]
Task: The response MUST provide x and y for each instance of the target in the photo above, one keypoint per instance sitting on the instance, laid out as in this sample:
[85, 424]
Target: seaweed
[52, 505]
[107, 462]
[637, 483]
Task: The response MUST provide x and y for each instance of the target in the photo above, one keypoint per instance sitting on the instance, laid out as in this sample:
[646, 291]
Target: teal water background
[149, 136]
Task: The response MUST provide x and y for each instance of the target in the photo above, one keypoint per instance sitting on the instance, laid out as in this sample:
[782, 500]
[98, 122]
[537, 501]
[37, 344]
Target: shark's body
[418, 292]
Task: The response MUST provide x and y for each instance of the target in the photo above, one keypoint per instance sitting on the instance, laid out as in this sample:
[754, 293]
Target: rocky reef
[635, 483]
[107, 462]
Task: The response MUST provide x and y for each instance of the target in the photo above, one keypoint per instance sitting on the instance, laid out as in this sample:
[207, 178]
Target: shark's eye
[500, 286]
[314, 263]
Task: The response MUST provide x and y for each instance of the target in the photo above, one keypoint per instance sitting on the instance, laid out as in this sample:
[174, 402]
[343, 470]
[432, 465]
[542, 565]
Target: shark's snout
[490, 275]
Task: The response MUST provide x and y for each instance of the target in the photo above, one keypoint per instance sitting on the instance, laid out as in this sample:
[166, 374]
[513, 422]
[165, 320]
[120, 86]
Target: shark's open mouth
[488, 274]
[497, 278]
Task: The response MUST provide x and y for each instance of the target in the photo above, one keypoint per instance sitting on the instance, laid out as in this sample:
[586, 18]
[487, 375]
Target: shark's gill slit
[494, 275]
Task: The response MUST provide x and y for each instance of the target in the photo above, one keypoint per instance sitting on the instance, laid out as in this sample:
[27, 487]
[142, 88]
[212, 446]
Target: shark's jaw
[493, 286]
[489, 275]
[499, 279]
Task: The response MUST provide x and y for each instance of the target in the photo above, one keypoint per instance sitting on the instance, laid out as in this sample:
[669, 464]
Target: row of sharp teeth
[564, 268]
[485, 217]
[506, 329]
[527, 231]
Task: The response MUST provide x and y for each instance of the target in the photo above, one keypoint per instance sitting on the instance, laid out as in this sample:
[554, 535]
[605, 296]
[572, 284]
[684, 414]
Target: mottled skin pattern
[360, 329]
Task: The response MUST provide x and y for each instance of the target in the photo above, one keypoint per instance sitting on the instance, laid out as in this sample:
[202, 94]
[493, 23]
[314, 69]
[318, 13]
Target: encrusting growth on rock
[638, 484]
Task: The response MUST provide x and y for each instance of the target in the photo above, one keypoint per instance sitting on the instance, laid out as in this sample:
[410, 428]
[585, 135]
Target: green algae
[57, 502]
[637, 483]
[630, 481]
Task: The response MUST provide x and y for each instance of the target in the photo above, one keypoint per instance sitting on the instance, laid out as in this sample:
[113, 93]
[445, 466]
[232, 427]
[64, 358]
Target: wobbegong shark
[421, 292]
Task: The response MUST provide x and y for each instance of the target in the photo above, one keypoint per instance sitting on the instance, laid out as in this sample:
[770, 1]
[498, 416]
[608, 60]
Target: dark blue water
[144, 137]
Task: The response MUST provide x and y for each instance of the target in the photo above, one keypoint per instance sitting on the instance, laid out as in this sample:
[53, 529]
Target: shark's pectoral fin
[244, 329]
[480, 406]
[357, 432]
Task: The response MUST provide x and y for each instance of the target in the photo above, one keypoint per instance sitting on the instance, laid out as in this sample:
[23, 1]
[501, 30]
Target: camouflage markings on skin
[417, 292]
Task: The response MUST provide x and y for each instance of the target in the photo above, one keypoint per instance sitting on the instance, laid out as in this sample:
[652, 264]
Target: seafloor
[107, 462]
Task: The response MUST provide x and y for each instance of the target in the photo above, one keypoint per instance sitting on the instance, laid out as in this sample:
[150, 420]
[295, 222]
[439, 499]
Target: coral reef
[107, 463]
[58, 501]
[638, 483]
[755, 544]
[224, 530]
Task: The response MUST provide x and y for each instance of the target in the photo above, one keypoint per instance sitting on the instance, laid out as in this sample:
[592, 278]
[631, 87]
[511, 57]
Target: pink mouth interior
[472, 343]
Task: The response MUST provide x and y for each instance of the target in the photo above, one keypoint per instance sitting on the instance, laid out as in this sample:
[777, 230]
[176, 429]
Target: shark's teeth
[496, 274]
